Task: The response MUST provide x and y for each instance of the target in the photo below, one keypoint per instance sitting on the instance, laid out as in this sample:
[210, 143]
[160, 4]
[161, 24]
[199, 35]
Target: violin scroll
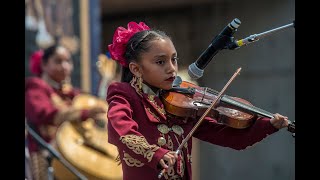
[291, 128]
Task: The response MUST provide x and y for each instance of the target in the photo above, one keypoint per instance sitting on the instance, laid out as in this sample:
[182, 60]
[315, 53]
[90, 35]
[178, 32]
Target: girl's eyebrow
[159, 56]
[164, 55]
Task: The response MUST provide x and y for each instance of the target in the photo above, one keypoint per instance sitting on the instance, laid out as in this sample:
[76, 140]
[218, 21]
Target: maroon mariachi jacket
[47, 106]
[143, 132]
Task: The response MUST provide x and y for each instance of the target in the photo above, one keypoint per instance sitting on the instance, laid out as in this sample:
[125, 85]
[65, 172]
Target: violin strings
[242, 105]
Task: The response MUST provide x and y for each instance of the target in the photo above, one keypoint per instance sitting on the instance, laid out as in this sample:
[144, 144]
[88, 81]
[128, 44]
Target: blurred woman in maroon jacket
[48, 100]
[145, 134]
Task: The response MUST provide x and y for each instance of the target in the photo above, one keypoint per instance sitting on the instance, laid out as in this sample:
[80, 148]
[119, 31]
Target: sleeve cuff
[266, 125]
[157, 157]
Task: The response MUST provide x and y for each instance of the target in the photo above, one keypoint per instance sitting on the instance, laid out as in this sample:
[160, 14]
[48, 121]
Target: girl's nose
[172, 67]
[65, 65]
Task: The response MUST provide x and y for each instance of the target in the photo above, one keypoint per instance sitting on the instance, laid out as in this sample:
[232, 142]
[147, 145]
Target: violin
[186, 99]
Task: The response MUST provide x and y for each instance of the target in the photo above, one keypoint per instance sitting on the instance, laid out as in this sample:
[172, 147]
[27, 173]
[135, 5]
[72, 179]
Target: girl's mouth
[171, 79]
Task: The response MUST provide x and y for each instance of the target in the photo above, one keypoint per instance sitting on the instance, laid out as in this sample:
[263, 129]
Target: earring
[136, 82]
[66, 86]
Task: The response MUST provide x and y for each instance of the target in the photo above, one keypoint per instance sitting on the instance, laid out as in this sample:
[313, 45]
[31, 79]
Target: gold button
[163, 128]
[177, 129]
[161, 141]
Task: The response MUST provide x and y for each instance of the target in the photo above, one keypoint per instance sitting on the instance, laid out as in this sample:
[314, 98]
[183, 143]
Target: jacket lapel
[154, 108]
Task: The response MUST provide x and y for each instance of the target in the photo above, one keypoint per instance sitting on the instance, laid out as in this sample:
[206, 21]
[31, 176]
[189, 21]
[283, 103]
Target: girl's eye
[57, 61]
[160, 62]
[175, 59]
[60, 61]
[69, 61]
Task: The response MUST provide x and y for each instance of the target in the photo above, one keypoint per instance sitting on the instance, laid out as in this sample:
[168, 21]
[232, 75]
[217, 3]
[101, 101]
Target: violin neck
[252, 109]
[225, 99]
[245, 107]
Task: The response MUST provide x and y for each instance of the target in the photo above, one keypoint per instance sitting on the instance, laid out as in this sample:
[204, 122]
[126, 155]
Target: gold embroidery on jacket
[170, 143]
[160, 109]
[155, 116]
[170, 173]
[182, 165]
[130, 161]
[139, 145]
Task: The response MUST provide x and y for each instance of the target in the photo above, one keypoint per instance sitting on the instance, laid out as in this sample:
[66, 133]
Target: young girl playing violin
[138, 124]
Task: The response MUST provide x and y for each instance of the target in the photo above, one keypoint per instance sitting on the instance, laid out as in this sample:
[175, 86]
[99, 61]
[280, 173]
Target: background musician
[48, 101]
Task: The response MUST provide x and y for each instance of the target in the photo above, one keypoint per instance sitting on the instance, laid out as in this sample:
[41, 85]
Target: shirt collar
[147, 90]
[50, 81]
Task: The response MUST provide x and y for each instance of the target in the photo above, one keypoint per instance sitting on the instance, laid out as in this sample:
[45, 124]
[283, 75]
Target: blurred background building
[267, 78]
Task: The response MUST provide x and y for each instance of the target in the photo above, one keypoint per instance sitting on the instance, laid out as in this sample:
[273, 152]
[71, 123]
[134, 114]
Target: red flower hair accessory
[121, 38]
[35, 62]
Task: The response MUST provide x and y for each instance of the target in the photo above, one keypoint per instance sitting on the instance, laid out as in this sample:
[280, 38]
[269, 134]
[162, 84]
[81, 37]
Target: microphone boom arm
[255, 37]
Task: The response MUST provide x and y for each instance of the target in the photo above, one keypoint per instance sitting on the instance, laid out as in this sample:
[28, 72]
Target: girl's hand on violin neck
[170, 157]
[279, 121]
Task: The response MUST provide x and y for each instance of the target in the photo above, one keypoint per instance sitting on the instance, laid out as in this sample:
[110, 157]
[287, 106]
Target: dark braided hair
[48, 52]
[138, 44]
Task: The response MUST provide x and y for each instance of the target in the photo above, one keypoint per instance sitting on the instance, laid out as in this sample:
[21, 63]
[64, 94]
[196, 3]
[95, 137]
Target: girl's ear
[135, 69]
[43, 66]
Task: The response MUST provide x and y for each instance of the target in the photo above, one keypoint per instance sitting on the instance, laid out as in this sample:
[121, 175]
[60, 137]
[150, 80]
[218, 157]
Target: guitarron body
[85, 145]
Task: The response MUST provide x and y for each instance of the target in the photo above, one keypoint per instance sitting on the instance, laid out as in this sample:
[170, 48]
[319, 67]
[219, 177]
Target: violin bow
[202, 118]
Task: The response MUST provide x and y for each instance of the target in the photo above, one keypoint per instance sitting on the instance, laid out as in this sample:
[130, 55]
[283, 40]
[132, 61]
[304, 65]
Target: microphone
[219, 42]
